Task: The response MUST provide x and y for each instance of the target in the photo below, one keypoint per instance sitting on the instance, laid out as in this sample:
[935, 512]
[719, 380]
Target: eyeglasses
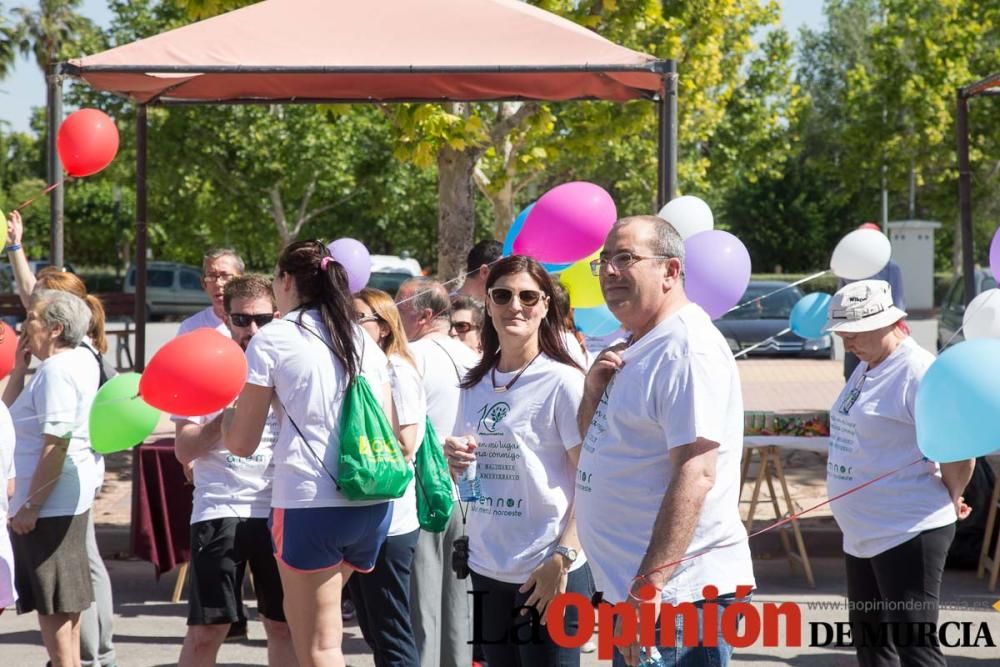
[218, 277]
[501, 296]
[361, 318]
[244, 320]
[463, 327]
[621, 261]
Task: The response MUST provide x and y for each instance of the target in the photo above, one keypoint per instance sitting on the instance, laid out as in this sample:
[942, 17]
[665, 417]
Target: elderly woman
[897, 531]
[53, 487]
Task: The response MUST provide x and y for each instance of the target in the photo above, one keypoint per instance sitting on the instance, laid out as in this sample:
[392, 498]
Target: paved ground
[149, 629]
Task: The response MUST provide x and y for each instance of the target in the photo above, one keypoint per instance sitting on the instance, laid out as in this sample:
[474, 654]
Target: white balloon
[982, 317]
[861, 254]
[688, 215]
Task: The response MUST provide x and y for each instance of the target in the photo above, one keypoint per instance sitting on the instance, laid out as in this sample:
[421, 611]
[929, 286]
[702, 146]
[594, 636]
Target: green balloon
[119, 419]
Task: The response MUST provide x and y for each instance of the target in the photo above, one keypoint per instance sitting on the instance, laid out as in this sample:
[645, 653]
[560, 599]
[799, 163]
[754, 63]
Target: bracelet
[13, 247]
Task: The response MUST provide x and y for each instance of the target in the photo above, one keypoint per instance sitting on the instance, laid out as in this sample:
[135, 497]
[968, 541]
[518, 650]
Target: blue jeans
[692, 656]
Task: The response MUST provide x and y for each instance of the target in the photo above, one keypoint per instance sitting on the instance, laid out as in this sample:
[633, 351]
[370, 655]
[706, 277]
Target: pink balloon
[568, 223]
[716, 271]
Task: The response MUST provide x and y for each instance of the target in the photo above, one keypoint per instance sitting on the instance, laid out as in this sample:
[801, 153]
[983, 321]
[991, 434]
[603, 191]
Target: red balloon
[87, 142]
[8, 349]
[195, 374]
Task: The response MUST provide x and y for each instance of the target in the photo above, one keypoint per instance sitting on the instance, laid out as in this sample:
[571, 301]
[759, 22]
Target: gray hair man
[218, 267]
[659, 474]
[439, 605]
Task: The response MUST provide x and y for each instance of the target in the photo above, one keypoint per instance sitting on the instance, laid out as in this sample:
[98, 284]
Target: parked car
[755, 323]
[171, 289]
[953, 308]
[7, 273]
[390, 271]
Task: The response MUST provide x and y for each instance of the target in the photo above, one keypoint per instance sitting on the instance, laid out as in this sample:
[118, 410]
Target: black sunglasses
[463, 327]
[244, 320]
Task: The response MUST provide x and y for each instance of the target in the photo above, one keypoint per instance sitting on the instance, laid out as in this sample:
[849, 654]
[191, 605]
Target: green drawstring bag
[435, 500]
[371, 464]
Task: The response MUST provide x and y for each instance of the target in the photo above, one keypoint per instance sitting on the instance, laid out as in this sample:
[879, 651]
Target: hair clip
[325, 262]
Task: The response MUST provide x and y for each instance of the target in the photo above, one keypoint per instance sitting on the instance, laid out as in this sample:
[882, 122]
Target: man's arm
[194, 440]
[693, 477]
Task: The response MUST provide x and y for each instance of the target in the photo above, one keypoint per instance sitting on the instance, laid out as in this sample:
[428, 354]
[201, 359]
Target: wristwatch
[28, 505]
[569, 553]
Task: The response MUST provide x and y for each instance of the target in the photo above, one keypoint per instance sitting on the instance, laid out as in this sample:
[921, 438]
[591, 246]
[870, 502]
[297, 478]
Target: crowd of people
[604, 472]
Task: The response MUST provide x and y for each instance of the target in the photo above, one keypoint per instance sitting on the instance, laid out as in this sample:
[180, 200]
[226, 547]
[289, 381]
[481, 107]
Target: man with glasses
[659, 473]
[232, 501]
[439, 604]
[219, 266]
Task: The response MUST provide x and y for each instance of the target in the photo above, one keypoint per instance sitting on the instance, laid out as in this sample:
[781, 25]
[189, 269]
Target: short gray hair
[55, 307]
[219, 253]
[666, 241]
[429, 293]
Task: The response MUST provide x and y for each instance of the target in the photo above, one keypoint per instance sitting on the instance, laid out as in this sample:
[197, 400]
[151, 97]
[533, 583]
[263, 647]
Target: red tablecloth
[161, 530]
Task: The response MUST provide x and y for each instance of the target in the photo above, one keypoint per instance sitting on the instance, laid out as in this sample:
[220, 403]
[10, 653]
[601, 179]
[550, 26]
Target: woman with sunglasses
[305, 362]
[518, 416]
[467, 322]
[382, 596]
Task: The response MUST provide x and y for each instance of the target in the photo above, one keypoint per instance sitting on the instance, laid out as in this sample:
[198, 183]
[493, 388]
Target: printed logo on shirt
[501, 505]
[583, 479]
[491, 416]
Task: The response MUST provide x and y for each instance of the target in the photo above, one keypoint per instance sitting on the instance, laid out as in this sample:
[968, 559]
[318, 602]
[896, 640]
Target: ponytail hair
[63, 281]
[321, 283]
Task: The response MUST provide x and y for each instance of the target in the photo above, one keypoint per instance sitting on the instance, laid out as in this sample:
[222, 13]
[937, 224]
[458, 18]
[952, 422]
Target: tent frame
[988, 87]
[665, 99]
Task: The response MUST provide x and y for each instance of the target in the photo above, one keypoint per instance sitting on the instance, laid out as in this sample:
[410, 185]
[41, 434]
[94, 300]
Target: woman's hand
[460, 453]
[24, 521]
[961, 509]
[15, 228]
[545, 583]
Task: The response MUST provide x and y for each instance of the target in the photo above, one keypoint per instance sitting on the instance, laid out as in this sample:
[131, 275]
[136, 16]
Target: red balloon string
[777, 524]
[42, 194]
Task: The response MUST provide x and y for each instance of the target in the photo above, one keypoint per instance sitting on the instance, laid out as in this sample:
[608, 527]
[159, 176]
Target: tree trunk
[503, 210]
[456, 210]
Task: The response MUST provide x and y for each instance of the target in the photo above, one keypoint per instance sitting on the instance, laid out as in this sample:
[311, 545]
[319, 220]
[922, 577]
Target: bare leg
[61, 635]
[312, 607]
[280, 651]
[201, 645]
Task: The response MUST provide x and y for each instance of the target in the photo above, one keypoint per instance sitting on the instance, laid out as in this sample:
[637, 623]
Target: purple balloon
[995, 256]
[354, 257]
[568, 223]
[716, 269]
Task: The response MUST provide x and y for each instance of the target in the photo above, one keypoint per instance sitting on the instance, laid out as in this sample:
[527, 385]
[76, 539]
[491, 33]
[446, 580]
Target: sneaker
[589, 647]
[347, 611]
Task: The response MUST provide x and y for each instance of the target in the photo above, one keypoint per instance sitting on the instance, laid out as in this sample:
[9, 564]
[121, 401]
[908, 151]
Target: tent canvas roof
[375, 50]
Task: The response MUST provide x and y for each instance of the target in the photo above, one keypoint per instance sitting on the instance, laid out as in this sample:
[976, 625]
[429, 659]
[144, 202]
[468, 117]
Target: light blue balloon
[595, 321]
[809, 315]
[958, 403]
[515, 229]
[556, 268]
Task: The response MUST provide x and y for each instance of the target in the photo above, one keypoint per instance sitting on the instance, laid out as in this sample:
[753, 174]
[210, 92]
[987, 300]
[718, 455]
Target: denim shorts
[311, 539]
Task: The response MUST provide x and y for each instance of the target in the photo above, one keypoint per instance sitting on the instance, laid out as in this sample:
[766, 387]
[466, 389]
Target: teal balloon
[958, 402]
[809, 315]
[556, 268]
[515, 229]
[119, 419]
[595, 321]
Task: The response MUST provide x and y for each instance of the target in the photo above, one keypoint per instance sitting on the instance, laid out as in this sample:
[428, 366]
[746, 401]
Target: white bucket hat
[865, 305]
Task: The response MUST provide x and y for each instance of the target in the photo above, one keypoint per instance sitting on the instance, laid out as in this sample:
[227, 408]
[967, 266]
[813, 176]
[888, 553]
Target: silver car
[171, 289]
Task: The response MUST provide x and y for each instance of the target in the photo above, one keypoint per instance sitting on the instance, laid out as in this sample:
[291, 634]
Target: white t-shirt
[875, 436]
[310, 384]
[525, 474]
[597, 344]
[578, 352]
[8, 594]
[56, 401]
[204, 319]
[227, 485]
[437, 358]
[679, 383]
[411, 408]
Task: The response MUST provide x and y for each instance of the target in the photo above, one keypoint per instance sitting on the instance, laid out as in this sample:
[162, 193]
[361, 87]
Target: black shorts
[220, 552]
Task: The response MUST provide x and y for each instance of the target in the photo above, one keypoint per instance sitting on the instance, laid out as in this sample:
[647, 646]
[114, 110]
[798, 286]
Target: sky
[24, 88]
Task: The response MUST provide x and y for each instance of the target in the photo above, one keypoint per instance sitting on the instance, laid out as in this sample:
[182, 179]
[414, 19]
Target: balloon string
[49, 415]
[780, 289]
[461, 276]
[777, 524]
[767, 340]
[41, 194]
